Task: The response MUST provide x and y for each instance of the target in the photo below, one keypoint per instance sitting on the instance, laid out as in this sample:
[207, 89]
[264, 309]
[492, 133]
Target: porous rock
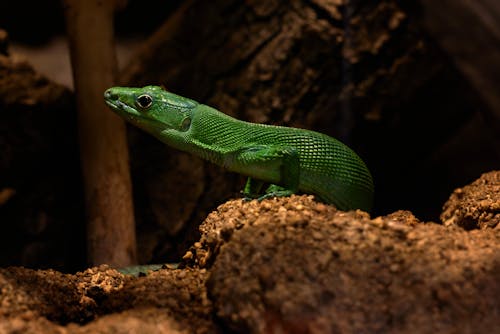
[476, 205]
[297, 266]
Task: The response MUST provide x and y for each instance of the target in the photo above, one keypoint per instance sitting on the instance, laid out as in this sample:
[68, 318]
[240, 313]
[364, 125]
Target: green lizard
[289, 159]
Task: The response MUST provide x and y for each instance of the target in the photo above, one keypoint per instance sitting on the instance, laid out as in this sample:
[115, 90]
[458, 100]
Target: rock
[46, 301]
[288, 265]
[278, 268]
[476, 205]
[231, 216]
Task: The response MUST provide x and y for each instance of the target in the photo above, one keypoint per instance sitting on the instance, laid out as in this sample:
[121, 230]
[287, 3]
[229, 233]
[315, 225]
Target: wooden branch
[103, 144]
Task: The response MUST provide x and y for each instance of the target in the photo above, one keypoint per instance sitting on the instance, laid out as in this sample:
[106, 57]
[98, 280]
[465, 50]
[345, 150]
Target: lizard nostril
[109, 95]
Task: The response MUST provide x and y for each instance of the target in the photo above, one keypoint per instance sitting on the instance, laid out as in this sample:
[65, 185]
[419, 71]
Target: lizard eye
[144, 101]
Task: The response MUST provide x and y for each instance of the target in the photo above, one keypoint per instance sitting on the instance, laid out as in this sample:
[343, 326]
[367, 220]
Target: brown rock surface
[297, 266]
[168, 301]
[288, 265]
[476, 205]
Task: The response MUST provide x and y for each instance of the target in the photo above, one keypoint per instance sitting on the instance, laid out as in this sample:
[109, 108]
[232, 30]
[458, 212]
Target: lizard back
[328, 168]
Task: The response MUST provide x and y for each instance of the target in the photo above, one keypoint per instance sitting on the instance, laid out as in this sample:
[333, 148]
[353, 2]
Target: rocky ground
[290, 265]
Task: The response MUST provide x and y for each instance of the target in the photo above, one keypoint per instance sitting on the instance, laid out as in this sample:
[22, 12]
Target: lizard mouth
[122, 108]
[133, 116]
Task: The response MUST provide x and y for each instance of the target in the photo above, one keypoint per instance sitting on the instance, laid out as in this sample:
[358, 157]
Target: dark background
[428, 141]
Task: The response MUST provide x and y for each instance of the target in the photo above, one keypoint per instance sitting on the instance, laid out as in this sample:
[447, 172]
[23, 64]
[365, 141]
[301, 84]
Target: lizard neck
[213, 134]
[210, 136]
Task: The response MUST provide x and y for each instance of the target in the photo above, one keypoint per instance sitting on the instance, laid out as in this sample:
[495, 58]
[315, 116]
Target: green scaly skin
[289, 159]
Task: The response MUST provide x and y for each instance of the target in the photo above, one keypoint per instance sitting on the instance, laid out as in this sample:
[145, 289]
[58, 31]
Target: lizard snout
[110, 95]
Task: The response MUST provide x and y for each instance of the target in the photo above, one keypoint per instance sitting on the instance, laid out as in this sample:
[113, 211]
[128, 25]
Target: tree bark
[469, 31]
[103, 145]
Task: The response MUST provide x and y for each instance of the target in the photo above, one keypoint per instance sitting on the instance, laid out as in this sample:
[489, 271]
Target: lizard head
[151, 108]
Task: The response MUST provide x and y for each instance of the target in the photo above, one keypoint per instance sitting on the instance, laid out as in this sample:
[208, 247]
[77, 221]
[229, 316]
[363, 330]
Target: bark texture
[469, 31]
[103, 143]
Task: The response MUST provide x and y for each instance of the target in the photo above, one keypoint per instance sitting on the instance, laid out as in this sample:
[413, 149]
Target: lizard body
[290, 159]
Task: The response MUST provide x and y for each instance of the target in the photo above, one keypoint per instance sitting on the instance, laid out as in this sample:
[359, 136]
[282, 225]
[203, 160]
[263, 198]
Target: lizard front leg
[252, 189]
[267, 163]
